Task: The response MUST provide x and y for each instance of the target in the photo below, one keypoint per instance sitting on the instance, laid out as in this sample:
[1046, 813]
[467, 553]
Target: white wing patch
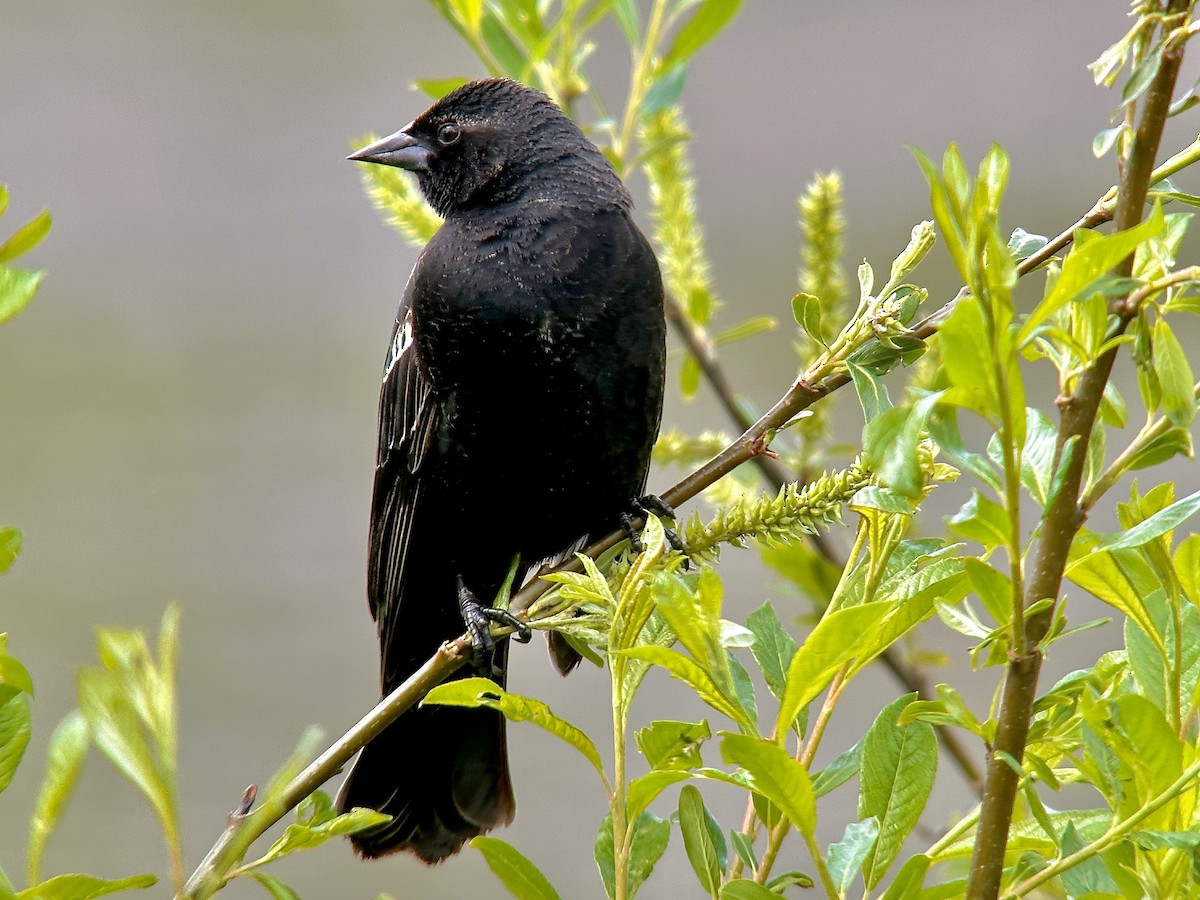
[400, 344]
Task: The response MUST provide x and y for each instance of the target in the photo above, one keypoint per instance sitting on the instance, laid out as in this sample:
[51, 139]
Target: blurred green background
[187, 410]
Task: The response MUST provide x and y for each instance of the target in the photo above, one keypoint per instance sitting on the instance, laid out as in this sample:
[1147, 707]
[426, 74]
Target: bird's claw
[631, 532]
[523, 634]
[652, 503]
[478, 620]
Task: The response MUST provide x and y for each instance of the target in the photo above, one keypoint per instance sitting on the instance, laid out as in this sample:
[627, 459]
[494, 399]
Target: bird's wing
[407, 420]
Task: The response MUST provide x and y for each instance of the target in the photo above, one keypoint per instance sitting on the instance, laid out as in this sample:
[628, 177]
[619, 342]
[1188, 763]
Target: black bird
[521, 396]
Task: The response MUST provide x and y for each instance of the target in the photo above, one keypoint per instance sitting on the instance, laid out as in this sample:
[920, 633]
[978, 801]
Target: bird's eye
[449, 133]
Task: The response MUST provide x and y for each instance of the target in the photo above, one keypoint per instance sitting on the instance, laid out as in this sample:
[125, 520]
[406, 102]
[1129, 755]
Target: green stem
[1114, 834]
[622, 832]
[1149, 432]
[814, 850]
[639, 81]
[961, 827]
[805, 755]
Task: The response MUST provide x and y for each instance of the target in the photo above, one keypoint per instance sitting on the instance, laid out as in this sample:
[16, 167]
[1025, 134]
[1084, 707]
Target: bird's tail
[441, 773]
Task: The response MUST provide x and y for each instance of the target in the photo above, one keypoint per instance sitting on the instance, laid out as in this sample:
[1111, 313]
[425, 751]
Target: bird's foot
[478, 619]
[651, 503]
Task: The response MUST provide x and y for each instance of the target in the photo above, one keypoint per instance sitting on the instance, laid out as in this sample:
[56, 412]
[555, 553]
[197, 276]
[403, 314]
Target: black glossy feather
[521, 396]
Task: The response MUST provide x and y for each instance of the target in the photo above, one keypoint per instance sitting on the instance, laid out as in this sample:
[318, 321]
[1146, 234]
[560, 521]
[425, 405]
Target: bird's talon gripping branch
[631, 532]
[523, 633]
[655, 504]
[652, 503]
[479, 627]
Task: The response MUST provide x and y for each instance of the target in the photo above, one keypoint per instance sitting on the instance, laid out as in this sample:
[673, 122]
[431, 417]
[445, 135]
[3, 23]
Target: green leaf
[689, 377]
[745, 329]
[1118, 577]
[710, 18]
[666, 89]
[1089, 260]
[625, 12]
[117, 732]
[981, 520]
[1173, 442]
[693, 676]
[10, 546]
[806, 310]
[1186, 563]
[773, 648]
[475, 692]
[844, 767]
[898, 767]
[14, 731]
[644, 789]
[847, 856]
[1105, 139]
[522, 878]
[744, 847]
[1166, 840]
[437, 88]
[26, 237]
[274, 886]
[317, 822]
[695, 617]
[1037, 457]
[650, 837]
[745, 889]
[17, 287]
[84, 887]
[1157, 758]
[835, 640]
[909, 880]
[13, 672]
[964, 344]
[780, 883]
[872, 394]
[469, 13]
[775, 775]
[512, 58]
[673, 745]
[1142, 75]
[943, 428]
[300, 757]
[1174, 375]
[1162, 522]
[702, 839]
[64, 762]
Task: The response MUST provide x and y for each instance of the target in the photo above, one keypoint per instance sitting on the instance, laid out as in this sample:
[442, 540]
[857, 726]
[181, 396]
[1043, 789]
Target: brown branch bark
[1063, 515]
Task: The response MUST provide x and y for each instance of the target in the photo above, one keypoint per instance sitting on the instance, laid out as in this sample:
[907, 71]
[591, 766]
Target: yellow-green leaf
[522, 878]
[26, 237]
[775, 775]
[64, 762]
[475, 692]
[1174, 375]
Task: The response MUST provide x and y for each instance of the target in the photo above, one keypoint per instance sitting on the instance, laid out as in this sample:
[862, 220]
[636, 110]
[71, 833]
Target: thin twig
[242, 831]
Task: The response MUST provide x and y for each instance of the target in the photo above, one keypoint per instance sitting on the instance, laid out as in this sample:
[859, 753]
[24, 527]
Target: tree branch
[1063, 516]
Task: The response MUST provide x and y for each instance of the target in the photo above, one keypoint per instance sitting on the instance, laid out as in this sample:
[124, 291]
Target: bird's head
[482, 143]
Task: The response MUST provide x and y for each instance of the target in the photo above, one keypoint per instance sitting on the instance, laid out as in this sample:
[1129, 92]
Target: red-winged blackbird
[521, 396]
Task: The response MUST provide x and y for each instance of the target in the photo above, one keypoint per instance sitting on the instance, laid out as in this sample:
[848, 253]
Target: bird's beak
[400, 149]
